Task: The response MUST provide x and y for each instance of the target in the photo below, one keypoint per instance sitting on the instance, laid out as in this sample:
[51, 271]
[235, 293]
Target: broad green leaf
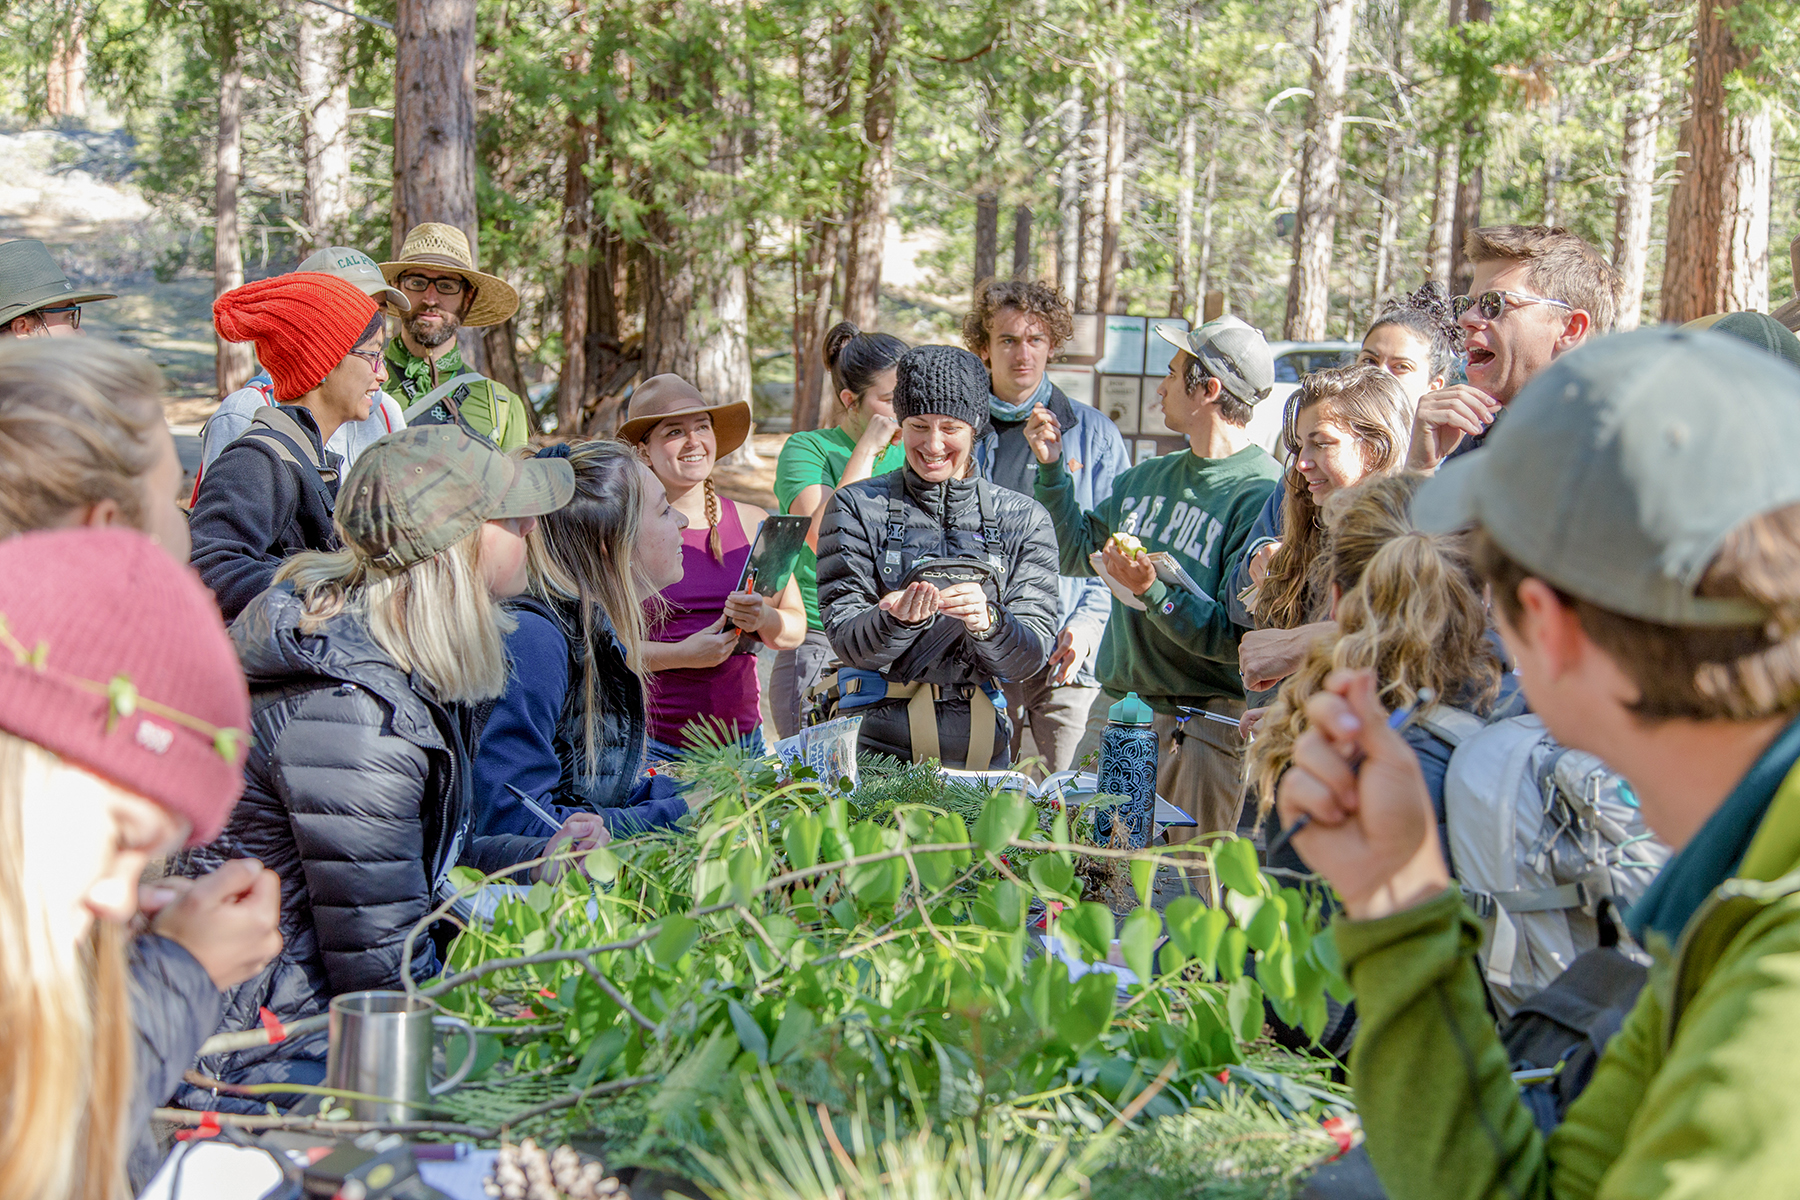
[1196, 929]
[1313, 1015]
[1001, 820]
[601, 865]
[745, 870]
[1000, 905]
[1059, 833]
[1087, 1011]
[1232, 948]
[1137, 941]
[540, 897]
[935, 869]
[750, 1035]
[1143, 878]
[1090, 925]
[1052, 876]
[796, 1026]
[1264, 930]
[879, 882]
[801, 837]
[674, 938]
[1235, 862]
[949, 830]
[1276, 970]
[1244, 1004]
[600, 1054]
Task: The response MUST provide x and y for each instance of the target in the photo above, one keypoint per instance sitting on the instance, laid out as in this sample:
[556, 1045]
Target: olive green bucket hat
[419, 491]
[30, 280]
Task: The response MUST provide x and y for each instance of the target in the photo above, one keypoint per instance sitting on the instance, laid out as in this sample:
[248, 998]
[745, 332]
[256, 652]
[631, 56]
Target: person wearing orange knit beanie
[271, 493]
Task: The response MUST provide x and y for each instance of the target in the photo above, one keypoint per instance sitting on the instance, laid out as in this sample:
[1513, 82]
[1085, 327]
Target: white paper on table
[215, 1171]
[1057, 949]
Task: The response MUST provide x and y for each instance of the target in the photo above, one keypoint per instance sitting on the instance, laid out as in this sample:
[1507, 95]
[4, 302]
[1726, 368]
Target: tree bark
[572, 393]
[434, 116]
[1114, 212]
[65, 78]
[501, 343]
[1021, 242]
[818, 271]
[1093, 208]
[324, 75]
[1203, 284]
[1637, 165]
[1068, 206]
[233, 362]
[1185, 155]
[1315, 223]
[1718, 247]
[1470, 177]
[1394, 186]
[1443, 216]
[868, 215]
[987, 234]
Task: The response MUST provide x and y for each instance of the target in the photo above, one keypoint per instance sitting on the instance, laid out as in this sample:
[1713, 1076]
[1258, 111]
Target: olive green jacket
[1697, 1096]
[491, 410]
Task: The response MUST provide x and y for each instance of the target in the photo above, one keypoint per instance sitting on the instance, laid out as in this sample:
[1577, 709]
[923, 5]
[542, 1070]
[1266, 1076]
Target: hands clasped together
[919, 602]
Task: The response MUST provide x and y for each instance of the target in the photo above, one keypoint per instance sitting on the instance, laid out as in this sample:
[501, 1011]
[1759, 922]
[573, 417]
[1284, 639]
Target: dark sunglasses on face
[1490, 305]
[71, 311]
[447, 286]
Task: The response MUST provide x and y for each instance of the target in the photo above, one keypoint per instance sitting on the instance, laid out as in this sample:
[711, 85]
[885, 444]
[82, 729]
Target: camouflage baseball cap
[419, 491]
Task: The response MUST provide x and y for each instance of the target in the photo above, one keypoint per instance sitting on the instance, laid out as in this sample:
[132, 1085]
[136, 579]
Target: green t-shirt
[1183, 648]
[819, 456]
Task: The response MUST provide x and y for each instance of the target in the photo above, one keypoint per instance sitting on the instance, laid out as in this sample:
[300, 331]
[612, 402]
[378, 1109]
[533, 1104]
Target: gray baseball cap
[1232, 352]
[353, 266]
[1619, 470]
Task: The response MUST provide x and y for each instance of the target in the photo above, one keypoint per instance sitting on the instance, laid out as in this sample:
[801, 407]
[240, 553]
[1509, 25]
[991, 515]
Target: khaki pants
[1057, 716]
[1204, 778]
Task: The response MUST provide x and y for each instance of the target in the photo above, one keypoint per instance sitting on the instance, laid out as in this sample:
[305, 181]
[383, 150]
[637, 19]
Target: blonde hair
[586, 552]
[66, 1059]
[1373, 406]
[435, 618]
[75, 429]
[1410, 608]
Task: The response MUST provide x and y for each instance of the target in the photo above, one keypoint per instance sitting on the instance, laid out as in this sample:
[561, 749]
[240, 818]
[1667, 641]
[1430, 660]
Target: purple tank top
[728, 692]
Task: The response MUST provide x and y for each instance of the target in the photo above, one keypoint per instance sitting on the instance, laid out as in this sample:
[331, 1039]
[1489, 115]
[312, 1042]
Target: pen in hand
[1397, 720]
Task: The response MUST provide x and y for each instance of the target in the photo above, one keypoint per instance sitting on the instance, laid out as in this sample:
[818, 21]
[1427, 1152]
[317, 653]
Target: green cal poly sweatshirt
[1183, 648]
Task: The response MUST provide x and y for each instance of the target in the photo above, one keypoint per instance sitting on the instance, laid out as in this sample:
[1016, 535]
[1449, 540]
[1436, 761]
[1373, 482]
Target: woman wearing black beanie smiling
[923, 657]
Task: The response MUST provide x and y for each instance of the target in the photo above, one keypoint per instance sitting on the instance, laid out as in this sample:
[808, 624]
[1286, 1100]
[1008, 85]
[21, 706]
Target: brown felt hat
[663, 396]
[446, 248]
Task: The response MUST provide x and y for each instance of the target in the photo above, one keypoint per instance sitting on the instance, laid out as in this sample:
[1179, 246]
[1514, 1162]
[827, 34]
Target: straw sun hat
[446, 248]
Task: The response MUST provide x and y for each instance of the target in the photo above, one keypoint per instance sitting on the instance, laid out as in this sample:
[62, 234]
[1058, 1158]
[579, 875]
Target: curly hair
[1410, 607]
[1426, 314]
[1035, 298]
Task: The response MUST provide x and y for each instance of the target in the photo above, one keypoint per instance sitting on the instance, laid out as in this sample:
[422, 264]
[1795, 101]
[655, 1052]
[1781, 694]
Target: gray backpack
[1539, 835]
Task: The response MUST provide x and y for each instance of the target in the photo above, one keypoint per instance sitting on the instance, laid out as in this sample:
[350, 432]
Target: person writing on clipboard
[1167, 537]
[934, 584]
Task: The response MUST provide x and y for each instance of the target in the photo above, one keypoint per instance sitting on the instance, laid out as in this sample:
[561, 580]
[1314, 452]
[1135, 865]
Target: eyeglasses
[1490, 305]
[71, 311]
[372, 357]
[446, 285]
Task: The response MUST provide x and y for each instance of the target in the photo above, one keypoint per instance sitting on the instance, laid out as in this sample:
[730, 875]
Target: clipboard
[773, 554]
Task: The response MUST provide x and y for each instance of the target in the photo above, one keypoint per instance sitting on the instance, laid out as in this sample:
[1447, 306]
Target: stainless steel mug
[381, 1046]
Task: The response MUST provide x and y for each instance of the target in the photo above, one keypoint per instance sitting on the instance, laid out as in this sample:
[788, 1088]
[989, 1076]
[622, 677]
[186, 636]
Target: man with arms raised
[1538, 292]
[437, 272]
[1016, 328]
[1637, 517]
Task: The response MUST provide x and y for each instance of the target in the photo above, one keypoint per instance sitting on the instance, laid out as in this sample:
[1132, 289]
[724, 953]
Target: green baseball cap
[30, 280]
[419, 491]
[1619, 470]
[353, 266]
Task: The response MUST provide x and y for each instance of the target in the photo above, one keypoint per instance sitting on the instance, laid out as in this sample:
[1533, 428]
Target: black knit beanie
[945, 381]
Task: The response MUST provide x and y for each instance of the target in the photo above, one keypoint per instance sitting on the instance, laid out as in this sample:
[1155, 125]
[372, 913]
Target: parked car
[1293, 360]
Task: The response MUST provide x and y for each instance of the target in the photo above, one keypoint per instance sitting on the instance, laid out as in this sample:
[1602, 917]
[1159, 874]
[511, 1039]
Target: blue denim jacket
[1094, 454]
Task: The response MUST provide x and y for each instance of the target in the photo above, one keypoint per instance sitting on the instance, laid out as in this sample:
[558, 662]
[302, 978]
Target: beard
[436, 334]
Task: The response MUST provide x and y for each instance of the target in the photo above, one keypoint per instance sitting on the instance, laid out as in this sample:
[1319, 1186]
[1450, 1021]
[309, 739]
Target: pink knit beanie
[112, 656]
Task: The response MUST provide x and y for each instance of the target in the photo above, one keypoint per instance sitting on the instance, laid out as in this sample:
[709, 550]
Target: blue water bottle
[1128, 768]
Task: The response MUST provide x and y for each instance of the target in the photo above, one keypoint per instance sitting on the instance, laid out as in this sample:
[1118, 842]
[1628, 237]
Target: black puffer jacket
[357, 793]
[941, 520]
[174, 1007]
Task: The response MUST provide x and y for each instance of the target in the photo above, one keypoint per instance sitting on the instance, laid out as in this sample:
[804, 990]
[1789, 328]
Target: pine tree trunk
[1185, 156]
[65, 76]
[811, 378]
[1093, 207]
[434, 116]
[987, 234]
[1637, 166]
[233, 362]
[1068, 206]
[1443, 216]
[1203, 283]
[1021, 242]
[1466, 214]
[1718, 247]
[324, 76]
[869, 214]
[1107, 299]
[572, 395]
[1315, 224]
[1394, 186]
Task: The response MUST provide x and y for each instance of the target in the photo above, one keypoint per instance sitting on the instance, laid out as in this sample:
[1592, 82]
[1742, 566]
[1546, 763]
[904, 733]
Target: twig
[249, 1039]
[1148, 1094]
[618, 998]
[253, 1090]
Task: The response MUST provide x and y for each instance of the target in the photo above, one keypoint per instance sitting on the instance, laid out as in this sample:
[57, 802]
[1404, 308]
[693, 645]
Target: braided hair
[713, 545]
[1426, 314]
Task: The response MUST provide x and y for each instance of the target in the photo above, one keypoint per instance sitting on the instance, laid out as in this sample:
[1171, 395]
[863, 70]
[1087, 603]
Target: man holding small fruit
[1175, 647]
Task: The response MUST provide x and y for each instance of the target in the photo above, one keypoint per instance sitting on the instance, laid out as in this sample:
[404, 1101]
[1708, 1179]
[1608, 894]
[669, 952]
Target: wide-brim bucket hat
[446, 248]
[30, 280]
[663, 396]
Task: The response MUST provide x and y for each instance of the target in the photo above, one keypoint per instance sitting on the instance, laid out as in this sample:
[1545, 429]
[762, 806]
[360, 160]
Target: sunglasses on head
[1490, 305]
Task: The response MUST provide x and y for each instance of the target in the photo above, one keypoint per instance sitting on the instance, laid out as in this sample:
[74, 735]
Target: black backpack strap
[297, 451]
[990, 531]
[890, 562]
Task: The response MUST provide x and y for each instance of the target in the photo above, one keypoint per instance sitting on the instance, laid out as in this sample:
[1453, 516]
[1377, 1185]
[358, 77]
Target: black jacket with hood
[939, 520]
[358, 793]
